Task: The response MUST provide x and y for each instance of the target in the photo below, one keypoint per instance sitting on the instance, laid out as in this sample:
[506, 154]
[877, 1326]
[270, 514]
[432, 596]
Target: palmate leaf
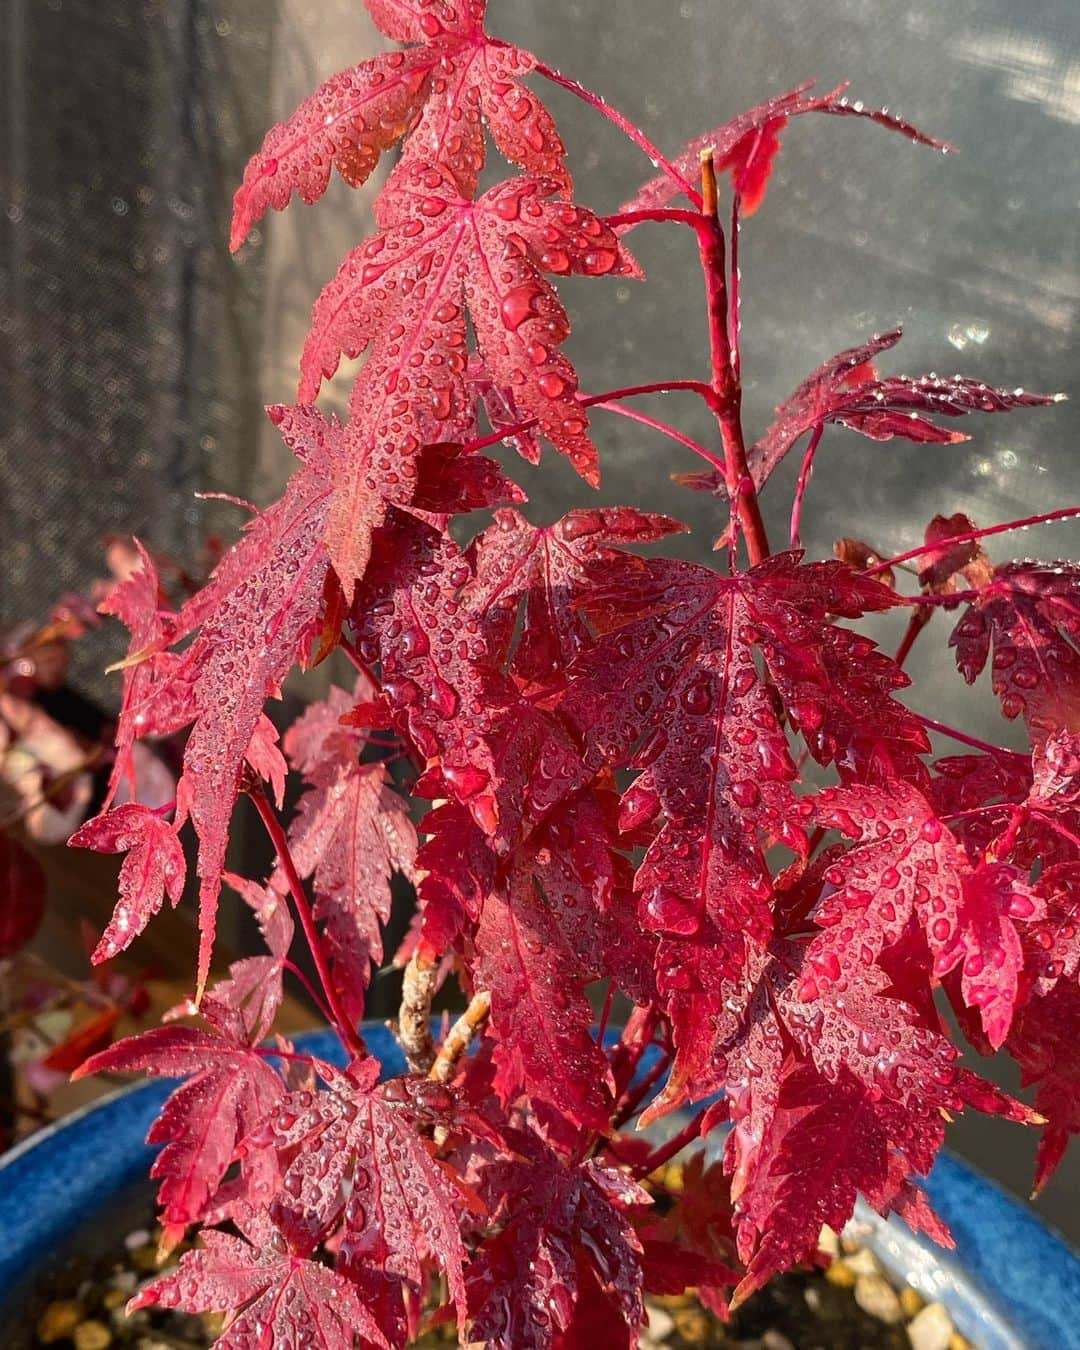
[847, 391]
[406, 291]
[1029, 617]
[359, 1158]
[565, 1227]
[828, 1142]
[259, 613]
[351, 832]
[540, 574]
[231, 1089]
[506, 759]
[747, 145]
[675, 691]
[828, 1097]
[440, 89]
[279, 1296]
[906, 864]
[153, 868]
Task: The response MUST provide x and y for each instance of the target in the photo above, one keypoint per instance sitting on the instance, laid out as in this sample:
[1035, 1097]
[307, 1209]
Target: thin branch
[414, 1016]
[675, 1145]
[735, 320]
[460, 1037]
[805, 471]
[965, 739]
[673, 433]
[627, 219]
[918, 621]
[740, 485]
[350, 1037]
[1063, 513]
[698, 387]
[658, 158]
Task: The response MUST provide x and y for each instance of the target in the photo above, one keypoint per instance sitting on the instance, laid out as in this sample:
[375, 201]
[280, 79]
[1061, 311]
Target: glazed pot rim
[999, 1240]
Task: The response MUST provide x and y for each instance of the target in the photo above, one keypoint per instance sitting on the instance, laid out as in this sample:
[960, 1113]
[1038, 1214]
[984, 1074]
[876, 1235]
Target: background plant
[615, 748]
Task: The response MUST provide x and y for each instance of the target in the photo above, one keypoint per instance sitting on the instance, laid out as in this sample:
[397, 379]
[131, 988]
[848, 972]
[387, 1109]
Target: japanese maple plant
[604, 754]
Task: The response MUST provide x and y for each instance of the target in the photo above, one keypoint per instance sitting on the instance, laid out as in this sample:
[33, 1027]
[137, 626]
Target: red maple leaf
[676, 691]
[439, 89]
[563, 1225]
[542, 574]
[351, 832]
[847, 391]
[506, 759]
[257, 616]
[406, 290]
[359, 1159]
[277, 1295]
[1029, 615]
[748, 144]
[907, 864]
[154, 867]
[231, 1090]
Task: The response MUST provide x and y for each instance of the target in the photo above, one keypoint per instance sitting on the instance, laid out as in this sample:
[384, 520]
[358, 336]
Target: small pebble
[813, 1296]
[139, 1238]
[776, 1340]
[932, 1329]
[113, 1298]
[692, 1325]
[145, 1258]
[59, 1320]
[911, 1301]
[841, 1274]
[876, 1296]
[863, 1262]
[92, 1335]
[661, 1323]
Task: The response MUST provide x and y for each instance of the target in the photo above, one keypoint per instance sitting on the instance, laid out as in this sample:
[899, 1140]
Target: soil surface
[804, 1310]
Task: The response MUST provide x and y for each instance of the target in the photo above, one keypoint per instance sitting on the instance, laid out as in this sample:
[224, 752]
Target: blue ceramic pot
[1010, 1284]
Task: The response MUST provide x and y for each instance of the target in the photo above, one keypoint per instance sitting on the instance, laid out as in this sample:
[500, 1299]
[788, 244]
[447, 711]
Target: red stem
[725, 383]
[735, 321]
[804, 482]
[673, 433]
[675, 1145]
[313, 993]
[698, 387]
[631, 1099]
[964, 738]
[605, 1013]
[624, 124]
[1064, 513]
[918, 621]
[350, 1038]
[628, 219]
